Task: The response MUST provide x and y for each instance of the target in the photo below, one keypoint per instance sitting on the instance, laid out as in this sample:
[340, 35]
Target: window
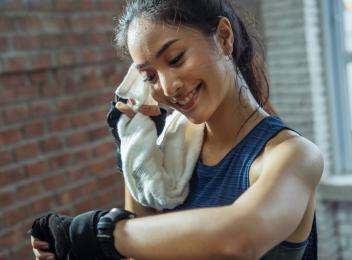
[337, 16]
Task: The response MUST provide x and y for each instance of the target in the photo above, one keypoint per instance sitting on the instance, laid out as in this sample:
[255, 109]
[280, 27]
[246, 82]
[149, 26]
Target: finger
[125, 109]
[39, 244]
[43, 255]
[150, 110]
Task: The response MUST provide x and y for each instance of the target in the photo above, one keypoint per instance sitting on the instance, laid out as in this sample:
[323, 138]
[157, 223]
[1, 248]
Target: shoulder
[290, 154]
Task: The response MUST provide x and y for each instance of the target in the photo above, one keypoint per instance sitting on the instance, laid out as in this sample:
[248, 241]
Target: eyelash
[173, 62]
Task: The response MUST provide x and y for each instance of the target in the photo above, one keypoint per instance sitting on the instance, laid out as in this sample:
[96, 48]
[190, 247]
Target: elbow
[241, 250]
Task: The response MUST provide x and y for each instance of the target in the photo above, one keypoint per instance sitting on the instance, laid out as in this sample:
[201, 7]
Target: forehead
[145, 37]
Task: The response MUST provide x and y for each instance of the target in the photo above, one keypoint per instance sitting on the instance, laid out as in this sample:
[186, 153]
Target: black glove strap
[105, 229]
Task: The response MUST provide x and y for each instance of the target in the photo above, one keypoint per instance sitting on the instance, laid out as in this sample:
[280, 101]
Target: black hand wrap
[54, 229]
[76, 238]
[113, 117]
[83, 230]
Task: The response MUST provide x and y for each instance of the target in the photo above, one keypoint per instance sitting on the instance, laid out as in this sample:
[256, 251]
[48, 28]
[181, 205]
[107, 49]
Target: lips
[188, 100]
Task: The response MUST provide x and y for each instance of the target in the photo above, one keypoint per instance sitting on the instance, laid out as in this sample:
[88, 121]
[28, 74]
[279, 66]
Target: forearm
[192, 234]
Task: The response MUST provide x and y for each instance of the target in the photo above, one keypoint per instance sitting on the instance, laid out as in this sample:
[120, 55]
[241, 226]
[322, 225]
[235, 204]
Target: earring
[228, 57]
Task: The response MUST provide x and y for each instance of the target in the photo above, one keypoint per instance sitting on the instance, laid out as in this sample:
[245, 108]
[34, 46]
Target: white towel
[157, 170]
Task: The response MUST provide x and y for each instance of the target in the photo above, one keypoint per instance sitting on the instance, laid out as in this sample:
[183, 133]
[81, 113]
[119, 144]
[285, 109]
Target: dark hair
[204, 15]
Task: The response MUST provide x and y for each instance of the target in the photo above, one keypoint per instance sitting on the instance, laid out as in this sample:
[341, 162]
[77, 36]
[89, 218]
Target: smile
[188, 101]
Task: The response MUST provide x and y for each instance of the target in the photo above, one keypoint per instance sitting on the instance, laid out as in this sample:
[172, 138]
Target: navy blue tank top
[223, 183]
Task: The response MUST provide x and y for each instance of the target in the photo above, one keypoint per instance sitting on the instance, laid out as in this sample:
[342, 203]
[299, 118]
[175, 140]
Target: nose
[170, 84]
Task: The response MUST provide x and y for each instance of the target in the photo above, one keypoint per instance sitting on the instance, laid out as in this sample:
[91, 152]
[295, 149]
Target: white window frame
[340, 107]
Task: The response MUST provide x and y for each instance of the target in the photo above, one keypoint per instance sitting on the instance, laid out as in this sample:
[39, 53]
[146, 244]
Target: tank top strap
[255, 141]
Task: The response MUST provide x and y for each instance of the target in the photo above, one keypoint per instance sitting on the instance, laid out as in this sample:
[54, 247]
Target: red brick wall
[58, 71]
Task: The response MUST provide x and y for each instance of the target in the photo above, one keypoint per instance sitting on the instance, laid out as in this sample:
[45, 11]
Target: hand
[147, 110]
[38, 247]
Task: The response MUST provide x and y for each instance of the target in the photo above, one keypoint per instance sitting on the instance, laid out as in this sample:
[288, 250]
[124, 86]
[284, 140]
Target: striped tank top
[223, 183]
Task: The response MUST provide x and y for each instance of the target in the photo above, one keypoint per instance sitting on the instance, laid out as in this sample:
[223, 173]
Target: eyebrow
[159, 52]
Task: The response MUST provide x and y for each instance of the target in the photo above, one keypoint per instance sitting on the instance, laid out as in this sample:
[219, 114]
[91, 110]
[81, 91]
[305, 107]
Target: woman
[254, 184]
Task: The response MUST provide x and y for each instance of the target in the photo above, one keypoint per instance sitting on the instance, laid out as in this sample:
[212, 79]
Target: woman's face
[184, 68]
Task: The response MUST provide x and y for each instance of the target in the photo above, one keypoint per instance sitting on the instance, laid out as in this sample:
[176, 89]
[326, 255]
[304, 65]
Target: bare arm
[135, 207]
[261, 218]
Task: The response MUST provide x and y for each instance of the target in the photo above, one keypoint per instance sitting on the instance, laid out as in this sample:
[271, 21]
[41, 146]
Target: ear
[224, 35]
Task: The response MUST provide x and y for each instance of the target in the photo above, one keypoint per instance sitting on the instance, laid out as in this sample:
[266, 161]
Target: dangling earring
[228, 57]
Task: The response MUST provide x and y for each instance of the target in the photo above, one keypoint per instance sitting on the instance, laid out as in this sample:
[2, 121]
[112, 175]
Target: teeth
[187, 99]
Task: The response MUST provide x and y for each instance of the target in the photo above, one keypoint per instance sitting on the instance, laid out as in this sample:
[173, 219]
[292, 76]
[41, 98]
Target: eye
[176, 60]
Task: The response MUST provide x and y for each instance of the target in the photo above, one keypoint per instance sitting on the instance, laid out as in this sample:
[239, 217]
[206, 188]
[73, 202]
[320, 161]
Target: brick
[107, 197]
[25, 92]
[7, 23]
[104, 148]
[52, 40]
[100, 166]
[82, 119]
[26, 42]
[52, 90]
[77, 139]
[68, 5]
[13, 80]
[34, 128]
[16, 215]
[98, 133]
[4, 44]
[77, 39]
[29, 189]
[6, 157]
[51, 144]
[29, 23]
[84, 205]
[54, 182]
[100, 115]
[41, 108]
[108, 5]
[42, 205]
[78, 172]
[26, 151]
[109, 54]
[39, 5]
[88, 187]
[41, 61]
[59, 161]
[83, 155]
[107, 180]
[15, 114]
[7, 198]
[90, 55]
[87, 5]
[23, 251]
[10, 176]
[37, 168]
[69, 195]
[11, 237]
[98, 38]
[66, 105]
[10, 136]
[7, 95]
[59, 124]
[16, 63]
[112, 78]
[40, 79]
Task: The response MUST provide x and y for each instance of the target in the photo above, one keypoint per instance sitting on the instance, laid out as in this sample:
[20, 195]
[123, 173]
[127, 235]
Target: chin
[196, 120]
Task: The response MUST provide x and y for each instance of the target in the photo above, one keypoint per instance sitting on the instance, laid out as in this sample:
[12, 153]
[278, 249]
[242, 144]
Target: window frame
[340, 108]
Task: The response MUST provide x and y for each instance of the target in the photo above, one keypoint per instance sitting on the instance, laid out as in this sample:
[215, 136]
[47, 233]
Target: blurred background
[58, 72]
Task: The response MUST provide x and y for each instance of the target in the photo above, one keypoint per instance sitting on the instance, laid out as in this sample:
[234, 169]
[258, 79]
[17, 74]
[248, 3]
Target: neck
[234, 118]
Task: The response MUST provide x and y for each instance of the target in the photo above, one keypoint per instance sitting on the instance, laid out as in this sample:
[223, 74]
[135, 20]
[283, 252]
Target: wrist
[120, 232]
[106, 232]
